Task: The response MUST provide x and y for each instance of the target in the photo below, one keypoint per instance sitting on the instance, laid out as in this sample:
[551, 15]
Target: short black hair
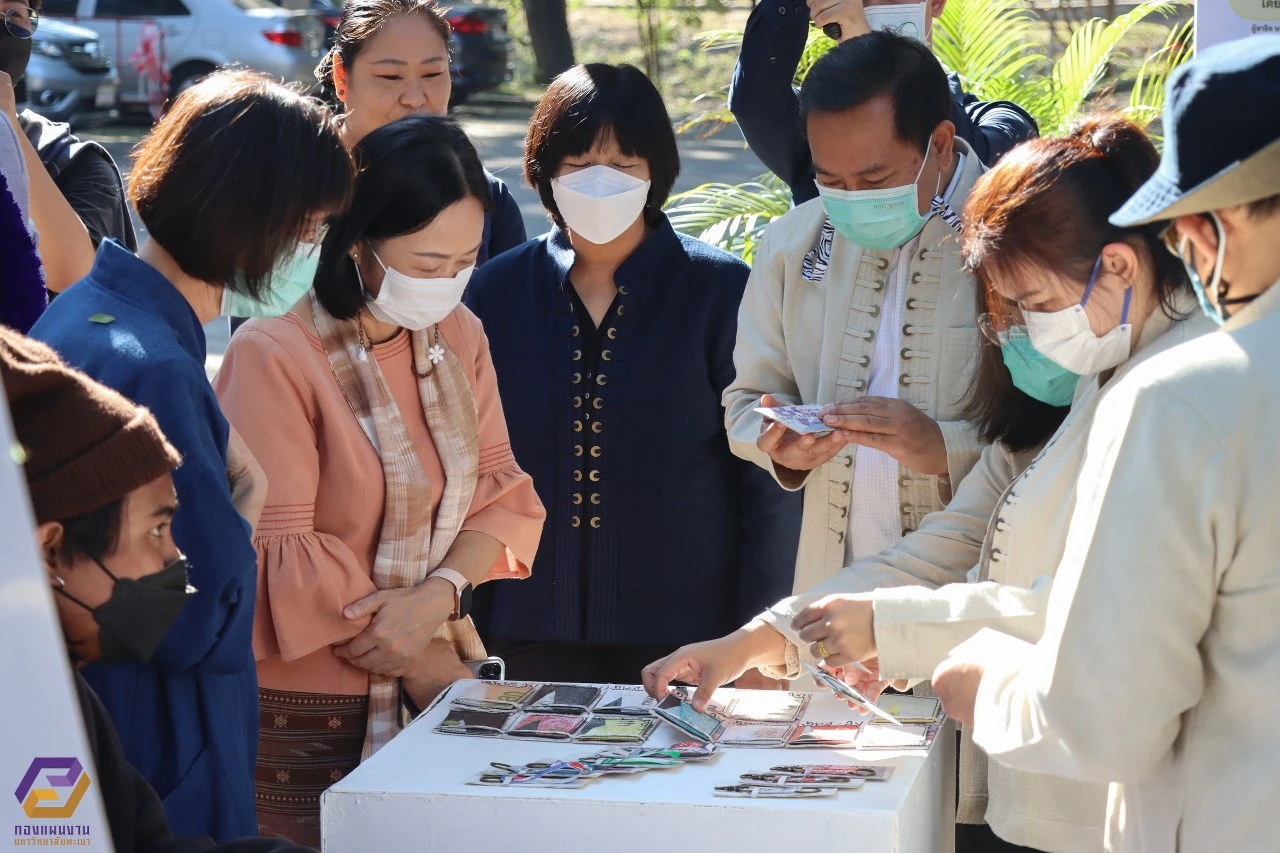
[235, 173]
[1264, 207]
[591, 102]
[410, 171]
[93, 534]
[875, 65]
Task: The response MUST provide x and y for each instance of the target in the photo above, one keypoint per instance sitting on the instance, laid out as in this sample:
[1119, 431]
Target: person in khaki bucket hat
[1159, 667]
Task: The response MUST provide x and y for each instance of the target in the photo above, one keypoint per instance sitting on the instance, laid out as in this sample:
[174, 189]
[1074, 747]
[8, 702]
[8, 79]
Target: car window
[140, 8]
[59, 8]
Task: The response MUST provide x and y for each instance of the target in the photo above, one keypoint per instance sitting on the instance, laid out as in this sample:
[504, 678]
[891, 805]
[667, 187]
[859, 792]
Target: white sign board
[1227, 20]
[48, 782]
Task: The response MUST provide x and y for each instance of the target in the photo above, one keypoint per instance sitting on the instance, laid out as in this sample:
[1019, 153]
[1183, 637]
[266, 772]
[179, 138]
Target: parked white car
[199, 36]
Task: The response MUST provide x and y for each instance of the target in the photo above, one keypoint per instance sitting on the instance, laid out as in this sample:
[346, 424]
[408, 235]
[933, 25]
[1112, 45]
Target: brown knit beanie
[85, 445]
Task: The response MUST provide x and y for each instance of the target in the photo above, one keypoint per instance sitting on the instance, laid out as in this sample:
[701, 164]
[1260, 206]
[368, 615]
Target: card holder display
[909, 736]
[494, 695]
[625, 700]
[536, 724]
[760, 735]
[767, 706]
[825, 735]
[625, 716]
[563, 698]
[677, 711]
[477, 723]
[610, 729]
[921, 710]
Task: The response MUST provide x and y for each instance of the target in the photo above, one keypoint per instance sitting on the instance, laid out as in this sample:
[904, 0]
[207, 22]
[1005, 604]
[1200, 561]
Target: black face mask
[15, 53]
[135, 619]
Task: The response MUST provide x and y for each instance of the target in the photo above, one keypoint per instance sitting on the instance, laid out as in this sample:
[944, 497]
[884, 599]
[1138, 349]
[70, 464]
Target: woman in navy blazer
[612, 337]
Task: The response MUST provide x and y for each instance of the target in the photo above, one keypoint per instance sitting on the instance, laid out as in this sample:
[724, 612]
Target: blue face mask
[291, 279]
[1037, 375]
[1213, 312]
[878, 220]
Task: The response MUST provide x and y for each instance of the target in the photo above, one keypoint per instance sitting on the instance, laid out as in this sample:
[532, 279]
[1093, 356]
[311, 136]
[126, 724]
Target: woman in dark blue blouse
[612, 337]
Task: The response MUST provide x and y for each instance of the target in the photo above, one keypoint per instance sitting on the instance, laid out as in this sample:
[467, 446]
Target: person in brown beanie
[99, 472]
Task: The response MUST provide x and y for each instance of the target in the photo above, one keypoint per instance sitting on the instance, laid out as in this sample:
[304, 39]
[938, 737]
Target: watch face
[464, 601]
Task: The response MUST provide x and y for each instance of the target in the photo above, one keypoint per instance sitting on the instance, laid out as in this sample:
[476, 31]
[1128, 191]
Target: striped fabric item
[409, 548]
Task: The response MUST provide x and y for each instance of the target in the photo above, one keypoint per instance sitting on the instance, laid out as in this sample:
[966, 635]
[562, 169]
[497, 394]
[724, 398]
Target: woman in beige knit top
[1064, 316]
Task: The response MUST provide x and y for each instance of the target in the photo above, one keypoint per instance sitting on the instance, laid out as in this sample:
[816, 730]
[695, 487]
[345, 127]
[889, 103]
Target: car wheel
[187, 75]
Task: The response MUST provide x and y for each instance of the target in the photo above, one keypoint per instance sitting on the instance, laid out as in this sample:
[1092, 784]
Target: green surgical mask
[291, 278]
[877, 220]
[1037, 375]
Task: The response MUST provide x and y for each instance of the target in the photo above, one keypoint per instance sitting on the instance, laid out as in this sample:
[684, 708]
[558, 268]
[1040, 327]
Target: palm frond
[712, 119]
[731, 217]
[1146, 101]
[815, 47]
[719, 39]
[989, 43]
[1082, 66]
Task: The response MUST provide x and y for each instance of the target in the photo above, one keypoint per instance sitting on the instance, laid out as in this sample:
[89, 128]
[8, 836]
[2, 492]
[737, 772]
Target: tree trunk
[549, 32]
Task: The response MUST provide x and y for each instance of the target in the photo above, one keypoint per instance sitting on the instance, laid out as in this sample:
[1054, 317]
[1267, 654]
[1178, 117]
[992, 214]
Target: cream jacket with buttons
[811, 342]
[1159, 664]
[987, 561]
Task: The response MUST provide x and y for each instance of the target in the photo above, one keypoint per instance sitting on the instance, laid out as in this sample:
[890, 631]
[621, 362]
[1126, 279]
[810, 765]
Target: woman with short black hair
[374, 409]
[208, 190]
[613, 337]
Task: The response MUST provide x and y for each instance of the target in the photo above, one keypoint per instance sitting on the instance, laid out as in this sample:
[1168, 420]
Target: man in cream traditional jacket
[859, 301]
[1158, 665]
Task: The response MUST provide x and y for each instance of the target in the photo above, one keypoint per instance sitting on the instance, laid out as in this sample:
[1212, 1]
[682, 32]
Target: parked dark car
[480, 50]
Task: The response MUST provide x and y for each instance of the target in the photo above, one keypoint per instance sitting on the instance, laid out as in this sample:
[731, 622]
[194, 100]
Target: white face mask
[1066, 338]
[415, 303]
[599, 203]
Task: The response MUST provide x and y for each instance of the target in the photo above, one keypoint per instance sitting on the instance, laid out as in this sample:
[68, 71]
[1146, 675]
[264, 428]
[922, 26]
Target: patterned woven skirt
[306, 742]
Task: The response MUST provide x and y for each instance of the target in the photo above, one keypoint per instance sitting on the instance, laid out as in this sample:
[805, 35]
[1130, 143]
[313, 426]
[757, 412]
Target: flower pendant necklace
[436, 351]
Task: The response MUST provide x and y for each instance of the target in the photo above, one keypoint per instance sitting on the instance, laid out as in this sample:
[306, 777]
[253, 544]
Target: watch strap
[459, 582]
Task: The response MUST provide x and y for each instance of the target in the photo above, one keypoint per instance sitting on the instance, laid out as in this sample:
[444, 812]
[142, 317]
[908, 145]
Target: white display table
[413, 796]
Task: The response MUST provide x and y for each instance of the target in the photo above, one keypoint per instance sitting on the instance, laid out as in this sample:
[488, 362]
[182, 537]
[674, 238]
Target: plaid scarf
[409, 549]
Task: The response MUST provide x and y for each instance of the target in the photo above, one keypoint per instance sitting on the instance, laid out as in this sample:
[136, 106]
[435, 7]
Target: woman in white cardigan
[1095, 300]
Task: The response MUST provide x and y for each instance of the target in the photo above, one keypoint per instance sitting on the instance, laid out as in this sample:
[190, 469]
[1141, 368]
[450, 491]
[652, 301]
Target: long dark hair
[1046, 205]
[409, 172]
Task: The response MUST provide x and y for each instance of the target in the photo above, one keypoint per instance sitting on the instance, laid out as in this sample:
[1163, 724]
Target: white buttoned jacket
[807, 341]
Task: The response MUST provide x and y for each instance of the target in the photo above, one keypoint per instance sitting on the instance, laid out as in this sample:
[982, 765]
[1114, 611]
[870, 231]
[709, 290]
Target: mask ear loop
[1093, 279]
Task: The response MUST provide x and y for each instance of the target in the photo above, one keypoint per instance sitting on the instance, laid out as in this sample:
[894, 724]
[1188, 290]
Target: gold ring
[822, 650]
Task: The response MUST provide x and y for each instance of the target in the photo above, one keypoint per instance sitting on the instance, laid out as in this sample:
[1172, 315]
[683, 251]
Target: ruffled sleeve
[305, 578]
[505, 505]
